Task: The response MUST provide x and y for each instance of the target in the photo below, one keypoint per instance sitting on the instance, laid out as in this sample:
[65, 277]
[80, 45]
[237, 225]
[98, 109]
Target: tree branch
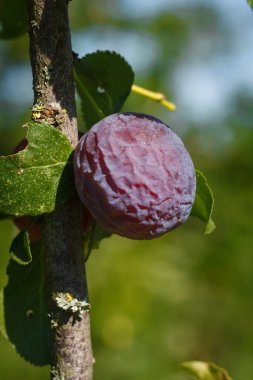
[51, 60]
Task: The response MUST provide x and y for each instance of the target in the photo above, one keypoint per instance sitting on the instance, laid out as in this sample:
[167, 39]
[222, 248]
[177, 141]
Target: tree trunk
[54, 100]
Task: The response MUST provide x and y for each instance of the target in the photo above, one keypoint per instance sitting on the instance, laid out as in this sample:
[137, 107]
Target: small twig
[54, 102]
[156, 96]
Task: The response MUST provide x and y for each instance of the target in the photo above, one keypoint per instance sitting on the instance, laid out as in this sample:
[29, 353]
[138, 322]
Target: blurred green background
[184, 296]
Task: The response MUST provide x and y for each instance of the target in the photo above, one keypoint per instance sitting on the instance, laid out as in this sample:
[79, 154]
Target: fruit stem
[156, 96]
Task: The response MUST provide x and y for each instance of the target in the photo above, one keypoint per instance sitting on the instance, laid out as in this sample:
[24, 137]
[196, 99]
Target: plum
[134, 175]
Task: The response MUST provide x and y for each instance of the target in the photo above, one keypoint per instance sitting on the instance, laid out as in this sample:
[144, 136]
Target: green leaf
[13, 18]
[20, 248]
[103, 80]
[94, 238]
[250, 2]
[2, 323]
[39, 178]
[206, 371]
[203, 204]
[24, 318]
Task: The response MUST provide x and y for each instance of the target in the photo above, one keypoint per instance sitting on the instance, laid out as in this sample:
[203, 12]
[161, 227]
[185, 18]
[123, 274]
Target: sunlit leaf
[203, 204]
[39, 178]
[206, 371]
[24, 316]
[103, 80]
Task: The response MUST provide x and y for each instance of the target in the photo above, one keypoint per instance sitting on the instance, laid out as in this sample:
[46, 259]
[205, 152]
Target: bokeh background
[184, 296]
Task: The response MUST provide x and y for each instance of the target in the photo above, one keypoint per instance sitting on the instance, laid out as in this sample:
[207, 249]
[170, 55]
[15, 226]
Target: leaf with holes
[39, 178]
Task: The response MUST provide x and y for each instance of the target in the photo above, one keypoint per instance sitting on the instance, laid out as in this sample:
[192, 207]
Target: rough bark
[54, 98]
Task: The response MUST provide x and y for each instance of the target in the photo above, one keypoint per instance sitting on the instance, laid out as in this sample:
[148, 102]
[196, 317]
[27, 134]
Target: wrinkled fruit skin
[135, 176]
